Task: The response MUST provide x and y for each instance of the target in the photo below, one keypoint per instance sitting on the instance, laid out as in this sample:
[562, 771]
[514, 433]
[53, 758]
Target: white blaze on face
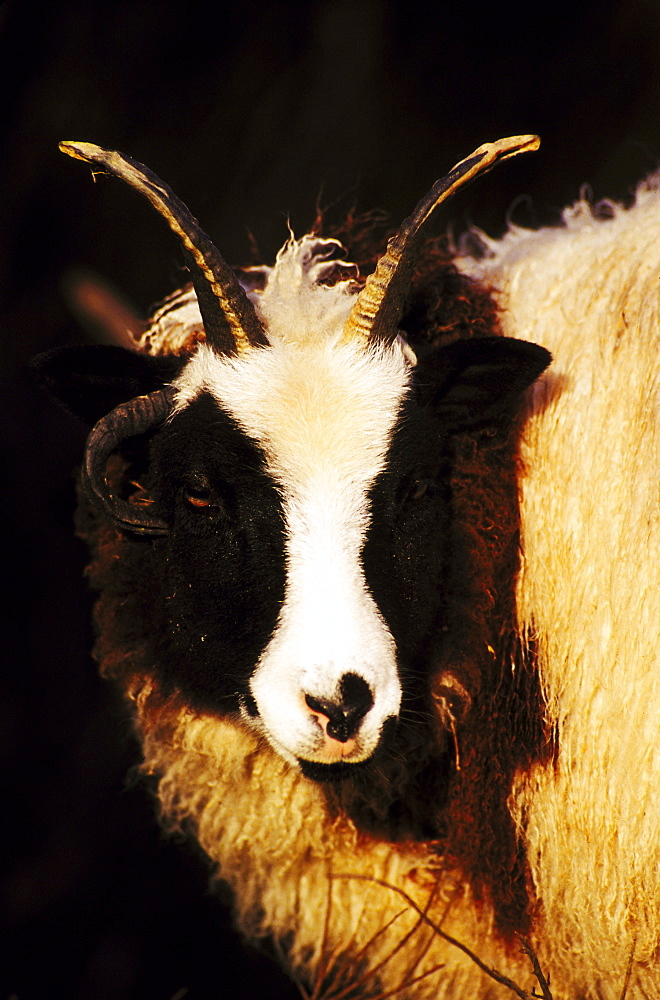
[323, 414]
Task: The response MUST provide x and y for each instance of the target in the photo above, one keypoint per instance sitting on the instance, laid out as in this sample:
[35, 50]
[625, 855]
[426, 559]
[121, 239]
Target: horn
[231, 323]
[127, 420]
[377, 310]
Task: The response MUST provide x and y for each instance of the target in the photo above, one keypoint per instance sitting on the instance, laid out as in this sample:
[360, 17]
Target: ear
[470, 382]
[90, 381]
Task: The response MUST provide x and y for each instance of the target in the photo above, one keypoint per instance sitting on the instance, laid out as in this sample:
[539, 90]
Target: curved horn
[231, 323]
[377, 310]
[127, 420]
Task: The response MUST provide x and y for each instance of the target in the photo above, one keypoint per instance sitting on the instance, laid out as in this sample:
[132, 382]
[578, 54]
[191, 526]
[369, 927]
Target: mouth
[332, 773]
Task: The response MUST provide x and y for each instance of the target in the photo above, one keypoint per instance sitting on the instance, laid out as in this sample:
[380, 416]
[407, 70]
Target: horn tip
[85, 151]
[512, 146]
[525, 143]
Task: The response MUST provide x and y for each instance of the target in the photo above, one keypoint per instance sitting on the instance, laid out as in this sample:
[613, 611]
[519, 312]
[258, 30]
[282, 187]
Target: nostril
[334, 719]
[346, 712]
[356, 694]
[342, 729]
[317, 704]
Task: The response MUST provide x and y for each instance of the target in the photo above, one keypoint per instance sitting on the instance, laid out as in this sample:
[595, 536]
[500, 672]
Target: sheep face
[305, 492]
[299, 580]
[295, 480]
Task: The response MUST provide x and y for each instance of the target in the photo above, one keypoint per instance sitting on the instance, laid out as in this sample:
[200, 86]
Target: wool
[588, 589]
[288, 859]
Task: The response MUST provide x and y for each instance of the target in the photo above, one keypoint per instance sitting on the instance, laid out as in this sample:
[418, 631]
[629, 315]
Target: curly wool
[329, 895]
[589, 588]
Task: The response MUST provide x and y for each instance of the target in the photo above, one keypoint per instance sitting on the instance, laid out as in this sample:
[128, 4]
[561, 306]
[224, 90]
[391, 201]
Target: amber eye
[198, 496]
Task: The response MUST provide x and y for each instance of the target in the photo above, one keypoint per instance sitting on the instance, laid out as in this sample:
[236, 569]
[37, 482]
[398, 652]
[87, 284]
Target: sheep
[470, 777]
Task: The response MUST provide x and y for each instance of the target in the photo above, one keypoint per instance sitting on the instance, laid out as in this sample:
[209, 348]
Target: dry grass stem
[498, 977]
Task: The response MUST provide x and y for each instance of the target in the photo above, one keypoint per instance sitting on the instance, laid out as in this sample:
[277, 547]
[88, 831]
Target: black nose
[344, 713]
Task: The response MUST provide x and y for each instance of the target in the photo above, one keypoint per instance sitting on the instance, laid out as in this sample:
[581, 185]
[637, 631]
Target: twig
[411, 982]
[538, 972]
[493, 973]
[371, 972]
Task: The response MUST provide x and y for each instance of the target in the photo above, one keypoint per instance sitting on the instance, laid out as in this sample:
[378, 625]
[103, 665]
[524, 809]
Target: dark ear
[470, 382]
[90, 381]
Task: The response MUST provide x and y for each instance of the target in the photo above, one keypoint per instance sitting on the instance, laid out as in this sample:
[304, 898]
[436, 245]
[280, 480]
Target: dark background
[252, 113]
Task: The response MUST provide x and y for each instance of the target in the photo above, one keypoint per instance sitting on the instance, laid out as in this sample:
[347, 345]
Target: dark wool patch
[503, 730]
[445, 305]
[442, 304]
[222, 566]
[198, 606]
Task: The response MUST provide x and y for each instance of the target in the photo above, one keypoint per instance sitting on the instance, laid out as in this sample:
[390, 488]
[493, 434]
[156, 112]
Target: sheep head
[288, 453]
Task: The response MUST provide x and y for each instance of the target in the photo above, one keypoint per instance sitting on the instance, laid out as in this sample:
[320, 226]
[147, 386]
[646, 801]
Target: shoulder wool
[589, 589]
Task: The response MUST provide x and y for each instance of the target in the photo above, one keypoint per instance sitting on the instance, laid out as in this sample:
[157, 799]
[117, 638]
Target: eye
[415, 489]
[197, 496]
[418, 489]
[426, 482]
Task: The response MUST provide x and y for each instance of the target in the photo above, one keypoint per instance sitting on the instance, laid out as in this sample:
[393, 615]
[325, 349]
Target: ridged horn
[230, 321]
[377, 310]
[134, 417]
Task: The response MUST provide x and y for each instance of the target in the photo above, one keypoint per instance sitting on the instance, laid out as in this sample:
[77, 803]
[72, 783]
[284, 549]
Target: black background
[253, 113]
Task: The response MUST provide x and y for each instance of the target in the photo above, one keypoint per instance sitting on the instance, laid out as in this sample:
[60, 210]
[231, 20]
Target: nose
[344, 713]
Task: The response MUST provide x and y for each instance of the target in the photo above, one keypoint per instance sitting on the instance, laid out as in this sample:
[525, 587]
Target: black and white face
[276, 477]
[307, 496]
